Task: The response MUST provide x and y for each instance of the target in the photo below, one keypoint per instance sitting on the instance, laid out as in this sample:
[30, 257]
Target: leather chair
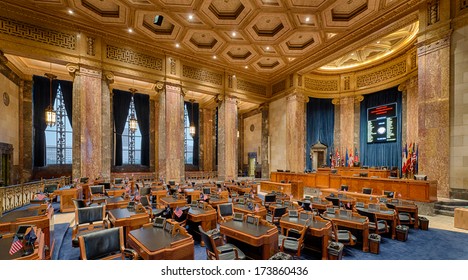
[98, 193]
[404, 218]
[108, 244]
[225, 212]
[293, 239]
[334, 200]
[367, 190]
[152, 208]
[275, 215]
[79, 203]
[375, 225]
[340, 235]
[88, 219]
[216, 249]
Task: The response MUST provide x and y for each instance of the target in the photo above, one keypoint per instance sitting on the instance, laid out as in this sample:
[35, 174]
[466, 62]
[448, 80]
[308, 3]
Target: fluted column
[89, 116]
[227, 138]
[295, 132]
[171, 134]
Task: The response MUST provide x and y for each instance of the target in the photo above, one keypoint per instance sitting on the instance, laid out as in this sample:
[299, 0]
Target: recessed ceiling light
[214, 57]
[130, 30]
[307, 19]
[177, 45]
[378, 42]
[190, 17]
[233, 75]
[267, 48]
[246, 67]
[234, 33]
[70, 11]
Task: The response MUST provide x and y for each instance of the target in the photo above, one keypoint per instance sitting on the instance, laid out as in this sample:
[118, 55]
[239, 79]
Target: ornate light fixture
[133, 123]
[50, 114]
[192, 128]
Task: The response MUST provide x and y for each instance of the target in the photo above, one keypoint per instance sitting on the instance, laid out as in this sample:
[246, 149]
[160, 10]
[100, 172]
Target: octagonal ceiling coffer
[268, 33]
[243, 56]
[299, 47]
[111, 10]
[164, 30]
[268, 65]
[204, 45]
[226, 14]
[347, 13]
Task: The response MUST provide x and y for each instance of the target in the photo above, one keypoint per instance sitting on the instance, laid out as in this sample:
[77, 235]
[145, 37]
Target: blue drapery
[320, 125]
[380, 154]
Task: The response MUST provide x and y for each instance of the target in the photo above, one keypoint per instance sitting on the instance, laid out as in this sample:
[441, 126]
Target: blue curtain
[121, 105]
[142, 111]
[195, 120]
[380, 154]
[320, 125]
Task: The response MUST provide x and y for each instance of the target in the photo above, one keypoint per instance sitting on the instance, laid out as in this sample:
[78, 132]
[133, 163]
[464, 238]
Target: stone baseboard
[459, 194]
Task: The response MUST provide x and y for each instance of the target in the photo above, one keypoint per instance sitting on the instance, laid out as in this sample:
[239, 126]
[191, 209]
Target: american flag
[137, 196]
[257, 208]
[127, 189]
[40, 196]
[399, 194]
[16, 245]
[348, 205]
[178, 212]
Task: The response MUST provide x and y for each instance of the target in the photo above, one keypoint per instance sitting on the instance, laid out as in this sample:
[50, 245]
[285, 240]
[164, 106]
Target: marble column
[26, 133]
[265, 139]
[171, 165]
[89, 118]
[295, 132]
[227, 138]
[206, 139]
[240, 143]
[433, 111]
[410, 110]
[106, 125]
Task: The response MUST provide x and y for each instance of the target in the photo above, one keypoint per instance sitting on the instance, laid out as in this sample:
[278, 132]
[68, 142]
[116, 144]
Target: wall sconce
[133, 123]
[50, 114]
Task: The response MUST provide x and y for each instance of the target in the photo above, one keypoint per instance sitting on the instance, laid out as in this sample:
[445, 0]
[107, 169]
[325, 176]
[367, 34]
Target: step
[455, 203]
[445, 207]
[444, 212]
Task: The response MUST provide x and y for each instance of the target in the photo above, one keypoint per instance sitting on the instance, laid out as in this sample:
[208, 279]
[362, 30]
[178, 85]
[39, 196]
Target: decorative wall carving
[172, 62]
[299, 80]
[434, 46]
[38, 34]
[278, 87]
[376, 77]
[251, 87]
[291, 80]
[464, 4]
[202, 75]
[135, 58]
[347, 85]
[321, 85]
[432, 12]
[90, 46]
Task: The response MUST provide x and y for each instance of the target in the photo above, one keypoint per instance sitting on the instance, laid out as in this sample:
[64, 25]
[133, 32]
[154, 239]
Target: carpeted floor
[433, 244]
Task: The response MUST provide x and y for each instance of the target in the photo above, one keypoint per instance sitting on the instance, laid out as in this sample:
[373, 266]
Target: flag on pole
[178, 212]
[351, 158]
[347, 158]
[40, 196]
[417, 159]
[16, 245]
[257, 208]
[356, 156]
[137, 196]
[348, 205]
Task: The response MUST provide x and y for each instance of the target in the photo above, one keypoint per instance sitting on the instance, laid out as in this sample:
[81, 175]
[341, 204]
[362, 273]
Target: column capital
[72, 68]
[109, 77]
[297, 96]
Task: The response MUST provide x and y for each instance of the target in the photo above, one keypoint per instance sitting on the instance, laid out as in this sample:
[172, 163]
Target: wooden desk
[115, 191]
[12, 220]
[239, 189]
[321, 205]
[215, 201]
[356, 196]
[153, 243]
[207, 217]
[115, 202]
[36, 254]
[318, 228]
[172, 202]
[296, 188]
[355, 222]
[124, 217]
[67, 194]
[256, 241]
[243, 208]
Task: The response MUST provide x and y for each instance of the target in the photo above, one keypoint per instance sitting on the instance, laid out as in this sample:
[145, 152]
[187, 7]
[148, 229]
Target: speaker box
[158, 20]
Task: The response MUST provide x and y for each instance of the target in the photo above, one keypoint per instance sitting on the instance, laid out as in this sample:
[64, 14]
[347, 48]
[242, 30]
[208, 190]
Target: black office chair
[225, 212]
[87, 220]
[151, 207]
[217, 249]
[367, 190]
[404, 218]
[293, 240]
[334, 200]
[79, 203]
[375, 225]
[108, 244]
[340, 235]
[275, 216]
[145, 191]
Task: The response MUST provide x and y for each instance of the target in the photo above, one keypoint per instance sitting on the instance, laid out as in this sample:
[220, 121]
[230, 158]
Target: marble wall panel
[9, 122]
[347, 123]
[277, 134]
[295, 132]
[252, 137]
[265, 141]
[227, 139]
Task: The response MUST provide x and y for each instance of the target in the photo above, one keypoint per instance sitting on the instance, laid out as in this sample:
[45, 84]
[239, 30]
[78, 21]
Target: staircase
[447, 208]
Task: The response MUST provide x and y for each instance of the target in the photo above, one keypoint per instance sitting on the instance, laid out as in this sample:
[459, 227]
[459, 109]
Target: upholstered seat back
[226, 209]
[79, 203]
[90, 214]
[96, 190]
[102, 243]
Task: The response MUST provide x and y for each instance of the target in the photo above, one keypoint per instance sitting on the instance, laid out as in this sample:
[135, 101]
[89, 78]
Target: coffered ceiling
[265, 39]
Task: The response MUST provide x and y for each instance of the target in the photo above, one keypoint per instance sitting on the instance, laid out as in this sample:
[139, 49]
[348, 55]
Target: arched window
[188, 143]
[59, 138]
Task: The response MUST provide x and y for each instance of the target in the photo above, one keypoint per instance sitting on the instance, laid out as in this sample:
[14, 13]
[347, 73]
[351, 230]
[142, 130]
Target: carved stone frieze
[386, 74]
[278, 87]
[251, 87]
[135, 58]
[434, 46]
[90, 48]
[38, 34]
[321, 85]
[202, 75]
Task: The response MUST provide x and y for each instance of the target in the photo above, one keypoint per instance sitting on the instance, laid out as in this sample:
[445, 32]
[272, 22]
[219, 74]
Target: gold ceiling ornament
[50, 114]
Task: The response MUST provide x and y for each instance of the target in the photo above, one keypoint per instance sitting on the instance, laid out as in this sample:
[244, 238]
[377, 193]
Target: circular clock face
[381, 130]
[6, 99]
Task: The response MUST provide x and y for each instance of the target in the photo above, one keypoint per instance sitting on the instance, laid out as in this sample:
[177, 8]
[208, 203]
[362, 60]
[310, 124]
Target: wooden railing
[15, 196]
[200, 175]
